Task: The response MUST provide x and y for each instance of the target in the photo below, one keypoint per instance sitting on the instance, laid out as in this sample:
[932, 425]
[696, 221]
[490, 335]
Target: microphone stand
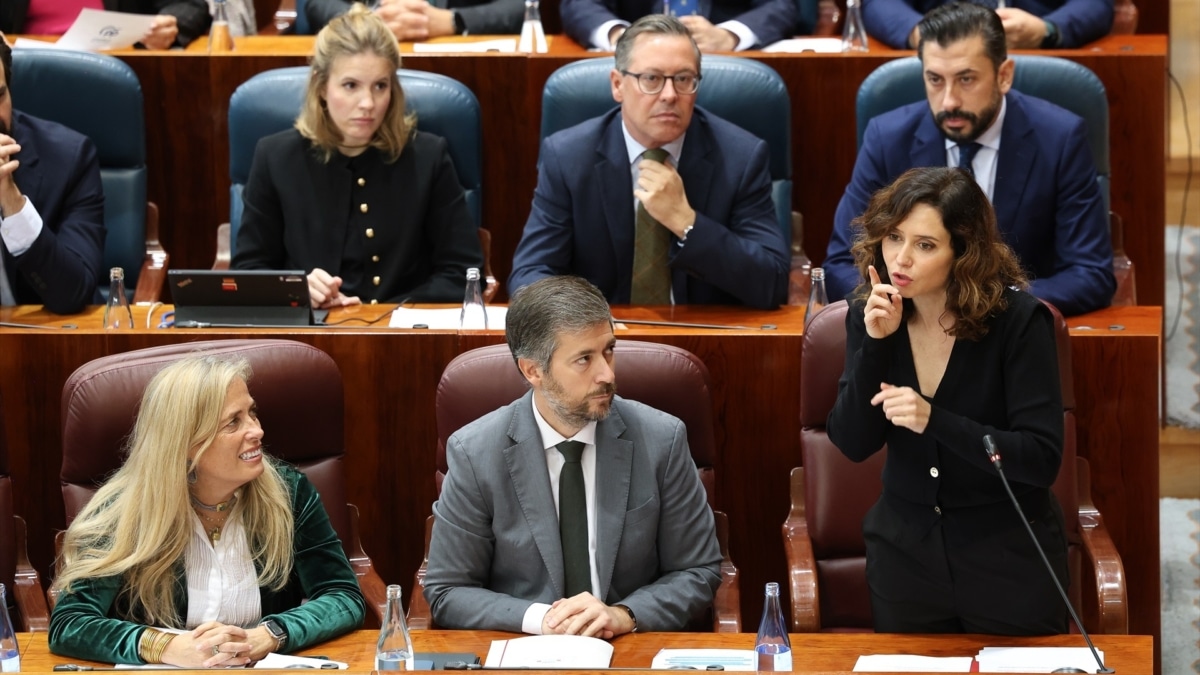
[993, 454]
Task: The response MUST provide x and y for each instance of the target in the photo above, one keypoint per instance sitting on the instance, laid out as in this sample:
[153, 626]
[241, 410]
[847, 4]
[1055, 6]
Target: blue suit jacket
[771, 20]
[496, 549]
[60, 175]
[1048, 205]
[582, 220]
[1079, 21]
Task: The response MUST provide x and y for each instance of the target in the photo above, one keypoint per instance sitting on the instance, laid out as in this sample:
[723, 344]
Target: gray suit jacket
[496, 549]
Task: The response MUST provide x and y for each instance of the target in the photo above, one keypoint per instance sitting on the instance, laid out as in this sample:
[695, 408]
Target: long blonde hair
[358, 31]
[140, 522]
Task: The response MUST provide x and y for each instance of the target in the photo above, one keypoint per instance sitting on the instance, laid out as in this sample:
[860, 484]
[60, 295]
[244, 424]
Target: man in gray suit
[644, 556]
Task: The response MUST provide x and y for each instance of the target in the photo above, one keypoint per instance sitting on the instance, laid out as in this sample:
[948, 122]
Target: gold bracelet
[160, 646]
[152, 644]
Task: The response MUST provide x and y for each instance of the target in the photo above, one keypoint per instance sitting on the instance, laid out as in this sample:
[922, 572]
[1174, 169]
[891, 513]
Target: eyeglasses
[652, 83]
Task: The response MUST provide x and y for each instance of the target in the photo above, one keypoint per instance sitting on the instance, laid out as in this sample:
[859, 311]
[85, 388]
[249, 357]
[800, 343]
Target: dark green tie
[572, 519]
[651, 283]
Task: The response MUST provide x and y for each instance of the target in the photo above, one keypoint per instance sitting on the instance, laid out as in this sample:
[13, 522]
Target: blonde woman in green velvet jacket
[199, 551]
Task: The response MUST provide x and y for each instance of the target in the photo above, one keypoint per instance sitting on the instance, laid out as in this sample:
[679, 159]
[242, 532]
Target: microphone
[994, 454]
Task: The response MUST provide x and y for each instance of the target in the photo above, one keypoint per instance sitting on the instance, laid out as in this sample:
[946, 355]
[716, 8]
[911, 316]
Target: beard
[576, 413]
[979, 122]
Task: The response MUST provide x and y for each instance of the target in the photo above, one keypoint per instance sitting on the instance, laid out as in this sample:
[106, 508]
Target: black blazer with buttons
[391, 231]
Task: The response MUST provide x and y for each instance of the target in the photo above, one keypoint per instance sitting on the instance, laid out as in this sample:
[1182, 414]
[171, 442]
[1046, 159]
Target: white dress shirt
[18, 231]
[221, 580]
[987, 157]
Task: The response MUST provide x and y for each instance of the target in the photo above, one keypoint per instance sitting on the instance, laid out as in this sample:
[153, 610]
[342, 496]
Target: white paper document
[910, 663]
[442, 319]
[547, 652]
[505, 45]
[700, 659]
[1035, 659]
[281, 661]
[26, 43]
[821, 45]
[96, 30]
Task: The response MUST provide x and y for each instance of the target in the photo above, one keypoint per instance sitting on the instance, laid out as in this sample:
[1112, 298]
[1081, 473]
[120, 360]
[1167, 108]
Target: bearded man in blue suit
[708, 192]
[1030, 157]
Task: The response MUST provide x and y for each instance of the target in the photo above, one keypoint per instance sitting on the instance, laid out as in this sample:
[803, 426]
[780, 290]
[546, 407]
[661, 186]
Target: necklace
[214, 535]
[219, 506]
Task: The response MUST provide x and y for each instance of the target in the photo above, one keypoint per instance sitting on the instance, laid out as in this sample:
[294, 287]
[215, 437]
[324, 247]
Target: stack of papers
[504, 45]
[442, 319]
[1035, 659]
[909, 663]
[818, 45]
[547, 652]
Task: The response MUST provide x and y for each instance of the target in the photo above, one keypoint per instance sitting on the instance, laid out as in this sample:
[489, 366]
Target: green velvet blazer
[93, 622]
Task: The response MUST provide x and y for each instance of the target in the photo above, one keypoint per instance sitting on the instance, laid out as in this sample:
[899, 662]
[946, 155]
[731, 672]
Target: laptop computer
[240, 298]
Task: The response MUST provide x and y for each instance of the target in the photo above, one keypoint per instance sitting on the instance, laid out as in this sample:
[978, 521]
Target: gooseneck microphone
[993, 454]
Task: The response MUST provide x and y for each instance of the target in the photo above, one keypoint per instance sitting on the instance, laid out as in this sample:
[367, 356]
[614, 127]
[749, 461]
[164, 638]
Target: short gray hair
[652, 24]
[547, 307]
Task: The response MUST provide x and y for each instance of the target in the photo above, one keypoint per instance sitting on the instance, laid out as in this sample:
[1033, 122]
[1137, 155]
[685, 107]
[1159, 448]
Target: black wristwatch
[276, 630]
[1053, 37]
[460, 24]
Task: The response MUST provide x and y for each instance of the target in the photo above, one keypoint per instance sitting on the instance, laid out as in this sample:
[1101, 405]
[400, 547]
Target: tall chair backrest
[838, 493]
[662, 376]
[291, 381]
[1059, 81]
[302, 26]
[270, 101]
[100, 97]
[580, 91]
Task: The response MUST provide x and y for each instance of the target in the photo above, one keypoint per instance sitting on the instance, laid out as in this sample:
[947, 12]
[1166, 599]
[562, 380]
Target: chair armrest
[727, 601]
[369, 581]
[829, 16]
[154, 264]
[420, 616]
[491, 286]
[802, 564]
[224, 256]
[1111, 602]
[27, 587]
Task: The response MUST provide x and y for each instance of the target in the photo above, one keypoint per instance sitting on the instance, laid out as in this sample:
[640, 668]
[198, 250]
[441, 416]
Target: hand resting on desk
[585, 615]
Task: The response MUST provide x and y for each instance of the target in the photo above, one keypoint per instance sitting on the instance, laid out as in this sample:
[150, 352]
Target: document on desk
[503, 45]
[97, 30]
[817, 45]
[911, 663]
[741, 660]
[1036, 659]
[547, 652]
[442, 319]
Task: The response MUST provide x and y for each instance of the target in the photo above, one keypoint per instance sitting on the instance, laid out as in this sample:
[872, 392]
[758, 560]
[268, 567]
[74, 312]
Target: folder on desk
[240, 298]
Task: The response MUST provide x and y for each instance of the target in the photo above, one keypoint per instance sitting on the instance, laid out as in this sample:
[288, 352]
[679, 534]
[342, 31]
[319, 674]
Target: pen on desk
[680, 324]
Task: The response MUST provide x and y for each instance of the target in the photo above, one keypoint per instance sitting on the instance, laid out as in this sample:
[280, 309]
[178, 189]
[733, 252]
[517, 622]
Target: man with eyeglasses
[656, 202]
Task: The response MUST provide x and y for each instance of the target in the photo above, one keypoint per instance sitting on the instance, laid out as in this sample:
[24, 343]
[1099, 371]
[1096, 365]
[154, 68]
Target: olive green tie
[651, 276]
[572, 519]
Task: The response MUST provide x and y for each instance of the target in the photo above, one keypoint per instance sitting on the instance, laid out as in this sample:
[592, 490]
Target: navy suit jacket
[60, 175]
[771, 20]
[482, 17]
[1079, 21]
[1048, 204]
[582, 220]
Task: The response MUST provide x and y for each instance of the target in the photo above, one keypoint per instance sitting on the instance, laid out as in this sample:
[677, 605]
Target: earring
[192, 477]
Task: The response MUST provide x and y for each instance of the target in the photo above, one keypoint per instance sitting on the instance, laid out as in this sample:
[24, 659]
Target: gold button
[374, 302]
[362, 182]
[375, 281]
[374, 258]
[362, 207]
[370, 233]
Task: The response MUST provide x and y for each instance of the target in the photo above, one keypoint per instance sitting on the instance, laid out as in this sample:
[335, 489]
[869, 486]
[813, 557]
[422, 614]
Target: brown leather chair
[24, 587]
[830, 495]
[298, 389]
[661, 376]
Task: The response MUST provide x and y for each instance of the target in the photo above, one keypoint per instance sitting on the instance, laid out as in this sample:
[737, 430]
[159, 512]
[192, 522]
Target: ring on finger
[216, 650]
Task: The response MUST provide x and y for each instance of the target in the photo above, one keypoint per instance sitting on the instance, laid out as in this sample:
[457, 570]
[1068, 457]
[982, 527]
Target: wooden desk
[811, 652]
[187, 101]
[390, 434]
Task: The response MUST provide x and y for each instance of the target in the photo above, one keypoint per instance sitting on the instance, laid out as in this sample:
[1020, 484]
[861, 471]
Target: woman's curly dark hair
[983, 263]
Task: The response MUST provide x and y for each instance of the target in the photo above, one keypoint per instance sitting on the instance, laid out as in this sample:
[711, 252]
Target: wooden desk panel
[187, 97]
[811, 652]
[391, 378]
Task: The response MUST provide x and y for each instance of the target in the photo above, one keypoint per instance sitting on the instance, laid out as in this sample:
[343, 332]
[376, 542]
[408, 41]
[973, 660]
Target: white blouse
[221, 580]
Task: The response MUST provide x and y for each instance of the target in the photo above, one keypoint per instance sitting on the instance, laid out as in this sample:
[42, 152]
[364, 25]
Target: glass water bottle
[772, 644]
[117, 314]
[395, 650]
[10, 652]
[474, 314]
[533, 37]
[220, 40]
[817, 298]
[854, 33]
